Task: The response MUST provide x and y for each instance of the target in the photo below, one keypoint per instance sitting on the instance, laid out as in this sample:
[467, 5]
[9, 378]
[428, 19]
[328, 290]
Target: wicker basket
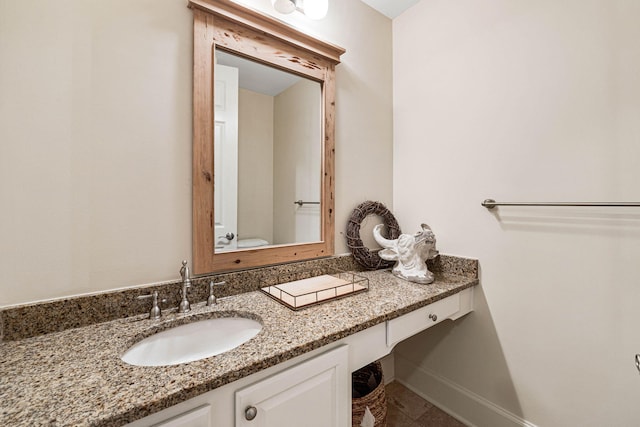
[375, 400]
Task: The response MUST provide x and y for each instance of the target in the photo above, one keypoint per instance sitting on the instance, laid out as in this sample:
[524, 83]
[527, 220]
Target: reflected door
[225, 158]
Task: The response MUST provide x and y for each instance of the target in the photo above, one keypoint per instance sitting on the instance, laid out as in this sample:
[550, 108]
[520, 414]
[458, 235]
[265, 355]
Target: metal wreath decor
[366, 258]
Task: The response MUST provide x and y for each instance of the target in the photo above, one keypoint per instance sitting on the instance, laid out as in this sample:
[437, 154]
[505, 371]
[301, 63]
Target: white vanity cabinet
[313, 389]
[314, 393]
[452, 308]
[199, 417]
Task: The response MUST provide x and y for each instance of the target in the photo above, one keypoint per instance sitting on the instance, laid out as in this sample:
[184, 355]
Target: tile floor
[407, 409]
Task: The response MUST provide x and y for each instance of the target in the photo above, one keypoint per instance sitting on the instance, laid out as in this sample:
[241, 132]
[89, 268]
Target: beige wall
[519, 101]
[95, 124]
[297, 160]
[255, 165]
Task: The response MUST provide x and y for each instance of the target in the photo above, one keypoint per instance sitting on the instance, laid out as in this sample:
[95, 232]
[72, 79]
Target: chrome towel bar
[490, 204]
[301, 202]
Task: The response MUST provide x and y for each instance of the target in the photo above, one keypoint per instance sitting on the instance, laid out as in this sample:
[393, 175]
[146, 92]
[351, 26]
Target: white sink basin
[193, 341]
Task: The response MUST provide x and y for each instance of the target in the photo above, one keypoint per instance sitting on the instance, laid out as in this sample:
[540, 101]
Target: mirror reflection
[267, 155]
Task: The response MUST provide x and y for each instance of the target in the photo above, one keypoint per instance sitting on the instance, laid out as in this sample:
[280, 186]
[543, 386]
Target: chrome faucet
[184, 306]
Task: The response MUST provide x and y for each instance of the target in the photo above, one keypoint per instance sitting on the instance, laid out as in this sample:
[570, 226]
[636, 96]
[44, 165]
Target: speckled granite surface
[54, 316]
[30, 320]
[75, 377]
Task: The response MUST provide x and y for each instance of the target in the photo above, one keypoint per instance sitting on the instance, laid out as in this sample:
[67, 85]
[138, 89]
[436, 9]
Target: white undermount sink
[192, 341]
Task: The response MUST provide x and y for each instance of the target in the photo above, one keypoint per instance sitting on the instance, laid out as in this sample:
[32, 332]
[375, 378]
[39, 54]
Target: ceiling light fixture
[314, 9]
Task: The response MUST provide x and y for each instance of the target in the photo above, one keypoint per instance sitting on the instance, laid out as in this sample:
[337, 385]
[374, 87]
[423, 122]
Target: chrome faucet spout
[185, 306]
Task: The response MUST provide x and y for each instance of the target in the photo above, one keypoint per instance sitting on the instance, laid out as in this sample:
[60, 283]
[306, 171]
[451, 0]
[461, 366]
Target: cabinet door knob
[250, 413]
[433, 317]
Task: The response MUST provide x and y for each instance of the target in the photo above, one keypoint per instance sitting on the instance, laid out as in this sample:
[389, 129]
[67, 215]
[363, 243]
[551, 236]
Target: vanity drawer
[414, 322]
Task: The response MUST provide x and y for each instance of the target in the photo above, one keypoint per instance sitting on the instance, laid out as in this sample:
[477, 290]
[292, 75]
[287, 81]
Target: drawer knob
[433, 317]
[250, 413]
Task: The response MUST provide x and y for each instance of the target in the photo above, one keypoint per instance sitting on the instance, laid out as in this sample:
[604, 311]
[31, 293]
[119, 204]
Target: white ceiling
[391, 8]
[257, 77]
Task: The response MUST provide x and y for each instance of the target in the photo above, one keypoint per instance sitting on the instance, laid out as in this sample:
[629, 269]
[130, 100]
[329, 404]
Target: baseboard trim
[459, 402]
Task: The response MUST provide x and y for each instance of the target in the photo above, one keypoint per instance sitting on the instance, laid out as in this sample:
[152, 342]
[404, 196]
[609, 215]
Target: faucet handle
[155, 312]
[212, 300]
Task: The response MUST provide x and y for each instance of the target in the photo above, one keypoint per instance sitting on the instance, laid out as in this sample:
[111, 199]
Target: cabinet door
[199, 417]
[314, 393]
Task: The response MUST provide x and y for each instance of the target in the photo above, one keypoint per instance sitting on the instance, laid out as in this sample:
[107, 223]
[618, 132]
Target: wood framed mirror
[248, 35]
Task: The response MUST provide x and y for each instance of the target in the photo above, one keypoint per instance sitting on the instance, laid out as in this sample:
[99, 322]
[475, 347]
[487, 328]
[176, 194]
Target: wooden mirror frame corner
[229, 26]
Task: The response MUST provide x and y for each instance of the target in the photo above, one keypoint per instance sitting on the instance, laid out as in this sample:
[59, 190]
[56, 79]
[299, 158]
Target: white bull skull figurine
[410, 252]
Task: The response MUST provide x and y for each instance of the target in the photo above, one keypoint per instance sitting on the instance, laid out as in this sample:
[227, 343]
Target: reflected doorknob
[228, 236]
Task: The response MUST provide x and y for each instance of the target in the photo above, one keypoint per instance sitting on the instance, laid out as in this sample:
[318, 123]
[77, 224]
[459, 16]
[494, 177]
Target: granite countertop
[76, 377]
